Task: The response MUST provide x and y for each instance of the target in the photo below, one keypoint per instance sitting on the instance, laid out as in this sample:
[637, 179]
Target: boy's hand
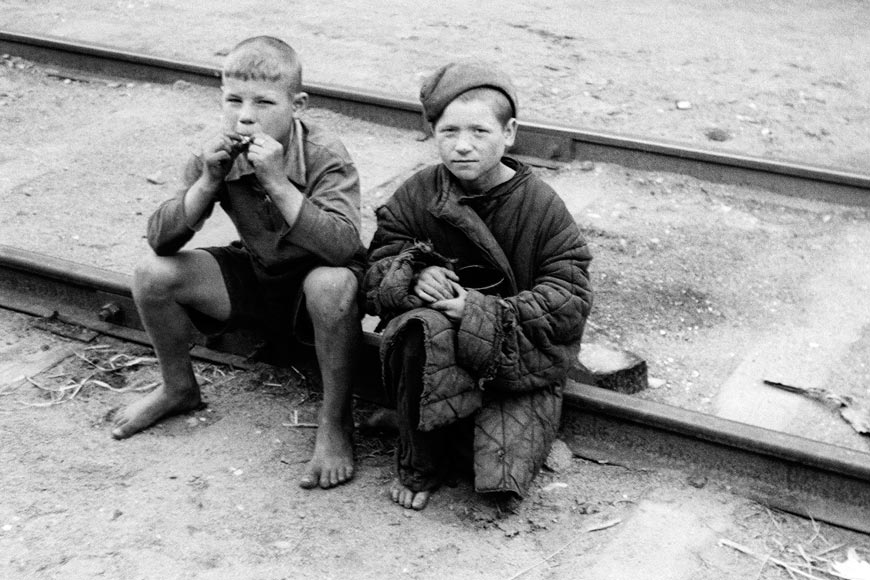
[267, 157]
[218, 155]
[435, 283]
[453, 308]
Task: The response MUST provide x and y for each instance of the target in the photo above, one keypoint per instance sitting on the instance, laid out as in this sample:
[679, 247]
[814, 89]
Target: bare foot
[332, 462]
[154, 406]
[408, 499]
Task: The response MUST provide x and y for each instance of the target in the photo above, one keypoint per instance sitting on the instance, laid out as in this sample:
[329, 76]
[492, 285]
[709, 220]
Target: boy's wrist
[208, 183]
[280, 189]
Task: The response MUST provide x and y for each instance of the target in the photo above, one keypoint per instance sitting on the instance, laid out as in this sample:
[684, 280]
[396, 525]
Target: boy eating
[475, 368]
[293, 194]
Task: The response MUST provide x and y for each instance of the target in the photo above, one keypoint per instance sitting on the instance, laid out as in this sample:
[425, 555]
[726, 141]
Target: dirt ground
[715, 286]
[212, 495]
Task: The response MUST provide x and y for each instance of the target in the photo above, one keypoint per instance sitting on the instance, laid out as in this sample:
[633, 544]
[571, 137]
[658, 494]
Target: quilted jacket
[506, 361]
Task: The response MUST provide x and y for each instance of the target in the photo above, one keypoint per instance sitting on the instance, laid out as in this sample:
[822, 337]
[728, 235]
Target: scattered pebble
[560, 458]
[698, 481]
[683, 105]
[555, 485]
[716, 134]
[587, 165]
[655, 383]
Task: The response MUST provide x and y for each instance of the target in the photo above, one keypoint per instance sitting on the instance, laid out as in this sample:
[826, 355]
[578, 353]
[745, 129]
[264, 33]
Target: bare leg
[161, 286]
[418, 454]
[330, 294]
[408, 498]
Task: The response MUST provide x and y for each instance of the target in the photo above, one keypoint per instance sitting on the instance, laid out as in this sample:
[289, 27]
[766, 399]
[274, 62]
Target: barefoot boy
[292, 192]
[475, 373]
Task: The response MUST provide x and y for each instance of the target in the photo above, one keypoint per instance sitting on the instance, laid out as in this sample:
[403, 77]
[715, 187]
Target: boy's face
[254, 106]
[471, 142]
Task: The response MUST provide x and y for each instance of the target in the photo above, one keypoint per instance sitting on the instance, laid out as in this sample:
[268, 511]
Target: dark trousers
[424, 460]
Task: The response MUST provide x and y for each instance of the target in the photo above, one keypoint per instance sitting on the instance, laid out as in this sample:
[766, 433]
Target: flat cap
[455, 78]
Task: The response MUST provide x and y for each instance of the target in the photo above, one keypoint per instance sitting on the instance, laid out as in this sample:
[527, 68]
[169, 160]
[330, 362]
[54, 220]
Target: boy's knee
[153, 276]
[330, 292]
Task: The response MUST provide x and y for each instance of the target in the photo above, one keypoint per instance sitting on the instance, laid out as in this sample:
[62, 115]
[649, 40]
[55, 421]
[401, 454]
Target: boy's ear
[510, 131]
[300, 102]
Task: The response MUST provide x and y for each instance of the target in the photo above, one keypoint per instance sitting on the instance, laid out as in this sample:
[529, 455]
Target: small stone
[560, 458]
[587, 165]
[697, 480]
[180, 85]
[555, 485]
[683, 105]
[716, 134]
[655, 383]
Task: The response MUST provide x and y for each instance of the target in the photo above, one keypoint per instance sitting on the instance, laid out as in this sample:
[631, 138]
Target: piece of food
[241, 146]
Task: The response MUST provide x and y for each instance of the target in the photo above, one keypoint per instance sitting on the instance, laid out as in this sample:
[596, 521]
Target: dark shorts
[272, 303]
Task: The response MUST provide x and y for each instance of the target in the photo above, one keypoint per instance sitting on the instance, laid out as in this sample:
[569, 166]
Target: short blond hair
[264, 58]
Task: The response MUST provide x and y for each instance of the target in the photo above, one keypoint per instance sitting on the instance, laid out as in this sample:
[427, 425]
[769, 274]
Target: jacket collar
[449, 205]
[294, 159]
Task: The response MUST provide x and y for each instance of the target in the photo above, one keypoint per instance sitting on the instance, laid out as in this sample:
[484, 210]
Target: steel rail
[818, 480]
[542, 140]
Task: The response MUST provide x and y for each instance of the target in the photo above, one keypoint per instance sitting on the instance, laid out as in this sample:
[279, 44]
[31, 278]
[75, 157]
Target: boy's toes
[336, 476]
[421, 498]
[343, 475]
[119, 432]
[310, 480]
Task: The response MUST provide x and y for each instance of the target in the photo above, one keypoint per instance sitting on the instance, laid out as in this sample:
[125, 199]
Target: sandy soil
[715, 286]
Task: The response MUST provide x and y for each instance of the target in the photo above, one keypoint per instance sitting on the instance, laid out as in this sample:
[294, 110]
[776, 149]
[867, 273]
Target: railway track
[545, 141]
[818, 480]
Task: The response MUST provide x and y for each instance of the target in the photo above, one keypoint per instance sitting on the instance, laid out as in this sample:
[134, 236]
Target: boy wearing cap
[475, 368]
[293, 195]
